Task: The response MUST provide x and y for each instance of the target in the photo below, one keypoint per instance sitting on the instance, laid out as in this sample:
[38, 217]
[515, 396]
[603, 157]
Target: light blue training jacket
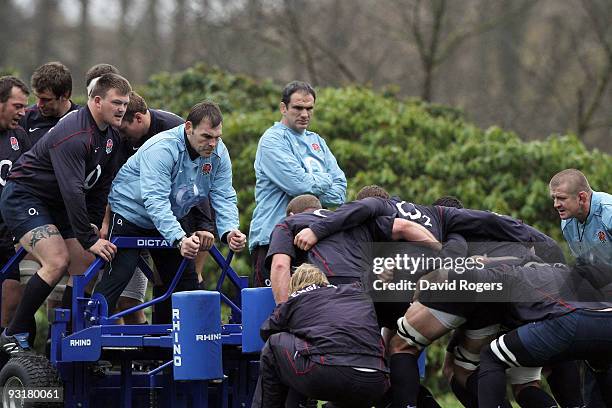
[592, 240]
[160, 183]
[287, 164]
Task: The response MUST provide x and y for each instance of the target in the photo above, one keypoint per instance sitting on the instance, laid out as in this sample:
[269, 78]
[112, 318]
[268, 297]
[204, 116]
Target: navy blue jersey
[338, 322]
[13, 143]
[36, 125]
[474, 225]
[72, 167]
[536, 292]
[343, 254]
[160, 121]
[354, 213]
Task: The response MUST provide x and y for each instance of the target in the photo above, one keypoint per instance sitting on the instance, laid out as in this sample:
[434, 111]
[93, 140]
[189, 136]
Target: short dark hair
[205, 110]
[98, 70]
[54, 76]
[297, 86]
[448, 201]
[109, 81]
[302, 203]
[372, 191]
[6, 87]
[137, 105]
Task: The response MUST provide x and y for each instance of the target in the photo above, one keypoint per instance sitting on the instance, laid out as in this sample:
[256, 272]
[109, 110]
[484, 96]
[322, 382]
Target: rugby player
[56, 195]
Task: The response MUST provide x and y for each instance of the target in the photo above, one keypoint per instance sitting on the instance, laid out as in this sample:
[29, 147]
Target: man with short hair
[14, 141]
[52, 85]
[97, 71]
[168, 175]
[138, 125]
[290, 161]
[586, 216]
[55, 197]
[586, 223]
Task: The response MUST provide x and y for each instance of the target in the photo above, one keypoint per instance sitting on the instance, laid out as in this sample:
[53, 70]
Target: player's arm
[345, 217]
[336, 195]
[485, 224]
[276, 323]
[278, 259]
[68, 159]
[455, 246]
[104, 229]
[97, 196]
[223, 200]
[278, 162]
[409, 231]
[280, 275]
[156, 164]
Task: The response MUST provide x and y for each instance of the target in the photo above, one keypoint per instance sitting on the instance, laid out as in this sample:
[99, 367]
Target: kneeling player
[310, 349]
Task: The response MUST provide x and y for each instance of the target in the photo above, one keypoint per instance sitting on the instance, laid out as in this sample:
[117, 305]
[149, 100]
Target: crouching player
[573, 322]
[312, 351]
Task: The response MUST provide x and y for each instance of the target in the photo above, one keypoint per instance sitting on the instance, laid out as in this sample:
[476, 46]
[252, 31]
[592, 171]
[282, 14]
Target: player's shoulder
[168, 119]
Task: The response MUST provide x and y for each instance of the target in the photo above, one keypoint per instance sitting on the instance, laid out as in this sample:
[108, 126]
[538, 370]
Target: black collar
[193, 155]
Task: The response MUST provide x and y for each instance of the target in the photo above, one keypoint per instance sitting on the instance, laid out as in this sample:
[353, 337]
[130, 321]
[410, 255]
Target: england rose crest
[206, 168]
[316, 147]
[14, 143]
[109, 146]
[602, 236]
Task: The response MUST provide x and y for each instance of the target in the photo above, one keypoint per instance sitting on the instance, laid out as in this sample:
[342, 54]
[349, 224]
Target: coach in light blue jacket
[290, 161]
[171, 173]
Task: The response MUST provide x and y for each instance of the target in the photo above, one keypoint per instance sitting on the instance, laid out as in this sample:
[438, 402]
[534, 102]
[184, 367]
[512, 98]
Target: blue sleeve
[223, 197]
[606, 217]
[156, 165]
[283, 168]
[336, 195]
[351, 215]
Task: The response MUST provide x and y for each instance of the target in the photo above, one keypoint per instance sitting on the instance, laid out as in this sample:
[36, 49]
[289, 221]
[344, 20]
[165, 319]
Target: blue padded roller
[257, 304]
[196, 335]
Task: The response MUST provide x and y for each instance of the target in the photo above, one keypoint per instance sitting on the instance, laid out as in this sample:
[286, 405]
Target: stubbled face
[112, 107]
[13, 109]
[49, 105]
[567, 204]
[297, 114]
[203, 138]
[133, 132]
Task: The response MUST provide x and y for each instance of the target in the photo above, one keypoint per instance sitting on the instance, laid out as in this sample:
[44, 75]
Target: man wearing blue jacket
[290, 161]
[171, 173]
[586, 223]
[586, 216]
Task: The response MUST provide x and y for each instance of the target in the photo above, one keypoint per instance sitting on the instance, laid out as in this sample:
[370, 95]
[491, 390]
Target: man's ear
[282, 107]
[188, 126]
[582, 197]
[138, 117]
